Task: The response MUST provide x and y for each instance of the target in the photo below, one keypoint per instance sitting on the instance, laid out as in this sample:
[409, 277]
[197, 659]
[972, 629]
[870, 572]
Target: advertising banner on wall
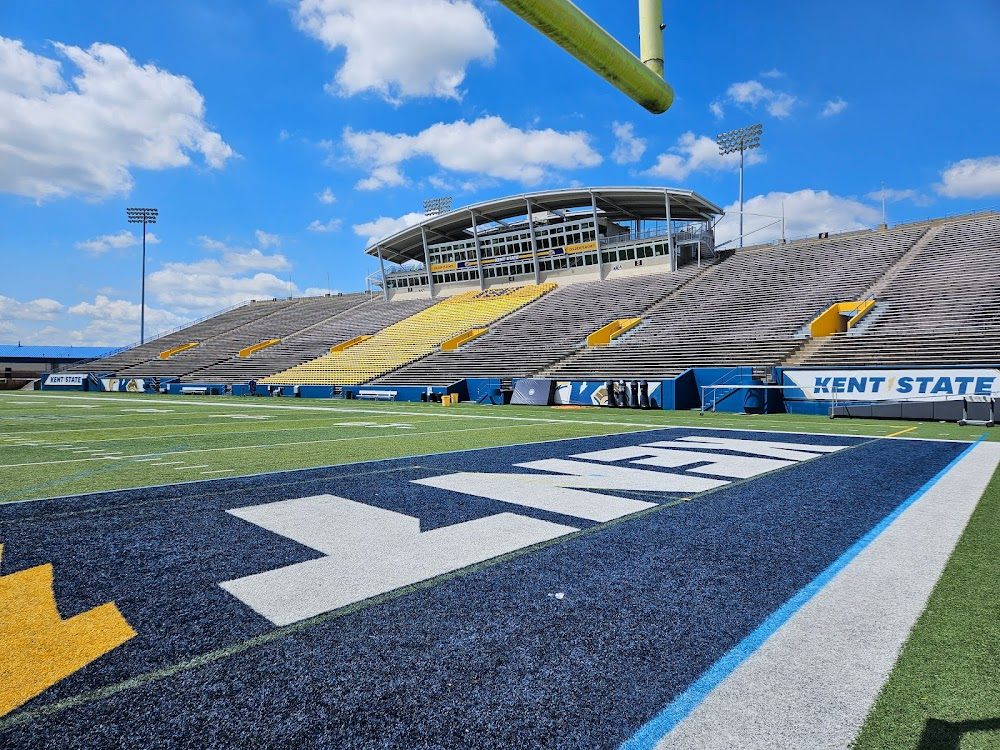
[593, 393]
[67, 379]
[938, 384]
[121, 385]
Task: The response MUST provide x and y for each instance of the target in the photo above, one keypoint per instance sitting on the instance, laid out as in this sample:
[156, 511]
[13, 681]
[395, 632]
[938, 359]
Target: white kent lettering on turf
[368, 551]
[371, 551]
[736, 467]
[558, 492]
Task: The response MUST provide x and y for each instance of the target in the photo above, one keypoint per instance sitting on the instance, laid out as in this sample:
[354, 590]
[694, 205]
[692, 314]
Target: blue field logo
[368, 551]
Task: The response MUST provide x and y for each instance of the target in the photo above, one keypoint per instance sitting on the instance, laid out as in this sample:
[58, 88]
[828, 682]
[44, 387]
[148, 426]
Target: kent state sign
[883, 385]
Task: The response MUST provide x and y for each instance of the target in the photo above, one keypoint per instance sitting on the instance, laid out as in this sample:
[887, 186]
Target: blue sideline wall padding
[681, 393]
[461, 389]
[729, 400]
[484, 390]
[316, 391]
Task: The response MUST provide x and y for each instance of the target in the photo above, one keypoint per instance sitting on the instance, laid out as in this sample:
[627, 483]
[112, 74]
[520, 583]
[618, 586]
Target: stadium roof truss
[615, 203]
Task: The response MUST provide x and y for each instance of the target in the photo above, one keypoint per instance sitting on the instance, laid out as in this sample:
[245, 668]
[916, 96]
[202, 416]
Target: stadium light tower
[437, 206]
[741, 139]
[142, 216]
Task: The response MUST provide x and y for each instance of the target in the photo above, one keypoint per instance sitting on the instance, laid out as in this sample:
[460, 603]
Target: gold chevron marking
[37, 647]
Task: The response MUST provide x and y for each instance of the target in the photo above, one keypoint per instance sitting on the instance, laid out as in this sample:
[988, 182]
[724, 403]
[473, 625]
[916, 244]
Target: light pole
[142, 216]
[741, 139]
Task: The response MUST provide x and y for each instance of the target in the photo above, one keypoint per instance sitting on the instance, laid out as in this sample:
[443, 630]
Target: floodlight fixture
[740, 140]
[437, 206]
[142, 216]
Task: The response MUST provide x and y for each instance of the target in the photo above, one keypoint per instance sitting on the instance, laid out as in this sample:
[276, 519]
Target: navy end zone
[547, 595]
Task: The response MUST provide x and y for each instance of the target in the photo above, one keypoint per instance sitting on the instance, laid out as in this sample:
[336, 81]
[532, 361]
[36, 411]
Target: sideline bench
[376, 395]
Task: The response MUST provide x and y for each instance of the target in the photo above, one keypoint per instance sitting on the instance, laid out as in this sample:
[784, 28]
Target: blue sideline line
[658, 727]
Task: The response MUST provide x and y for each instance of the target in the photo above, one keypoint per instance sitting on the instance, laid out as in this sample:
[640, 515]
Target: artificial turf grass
[944, 692]
[43, 418]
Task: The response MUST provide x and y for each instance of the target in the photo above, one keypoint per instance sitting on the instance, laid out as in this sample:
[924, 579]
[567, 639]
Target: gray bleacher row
[944, 308]
[200, 331]
[746, 310]
[288, 318]
[544, 331]
[310, 342]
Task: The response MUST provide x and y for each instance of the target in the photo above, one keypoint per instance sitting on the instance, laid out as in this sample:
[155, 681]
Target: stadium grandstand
[603, 284]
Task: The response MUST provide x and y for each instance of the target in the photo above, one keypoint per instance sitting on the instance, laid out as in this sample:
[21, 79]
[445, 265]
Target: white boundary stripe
[142, 456]
[812, 683]
[452, 415]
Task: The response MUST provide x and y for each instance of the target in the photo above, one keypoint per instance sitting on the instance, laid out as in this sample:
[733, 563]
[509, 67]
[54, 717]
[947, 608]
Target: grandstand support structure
[569, 235]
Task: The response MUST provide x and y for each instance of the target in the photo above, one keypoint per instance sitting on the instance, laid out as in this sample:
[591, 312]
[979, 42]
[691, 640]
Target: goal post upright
[574, 31]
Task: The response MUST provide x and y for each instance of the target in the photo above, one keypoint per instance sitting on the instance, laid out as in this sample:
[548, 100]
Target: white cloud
[696, 153]
[266, 240]
[807, 212]
[117, 321]
[400, 48]
[326, 197]
[833, 107]
[214, 283]
[210, 244]
[488, 146]
[37, 309]
[120, 241]
[103, 322]
[772, 73]
[84, 137]
[628, 148]
[751, 94]
[318, 291]
[333, 225]
[897, 196]
[971, 178]
[384, 226]
[25, 74]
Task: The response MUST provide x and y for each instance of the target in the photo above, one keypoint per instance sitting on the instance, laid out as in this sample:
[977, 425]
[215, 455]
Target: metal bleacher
[291, 316]
[943, 308]
[747, 310]
[411, 338]
[200, 331]
[310, 342]
[551, 328]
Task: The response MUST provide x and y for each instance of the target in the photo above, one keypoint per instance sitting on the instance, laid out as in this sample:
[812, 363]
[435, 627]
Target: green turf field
[943, 693]
[63, 444]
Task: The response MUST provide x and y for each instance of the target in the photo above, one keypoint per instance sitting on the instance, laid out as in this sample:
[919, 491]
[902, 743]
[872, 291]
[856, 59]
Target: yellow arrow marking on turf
[37, 647]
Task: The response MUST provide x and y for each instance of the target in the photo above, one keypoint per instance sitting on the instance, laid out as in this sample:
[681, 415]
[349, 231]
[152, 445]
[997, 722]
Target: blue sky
[277, 137]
